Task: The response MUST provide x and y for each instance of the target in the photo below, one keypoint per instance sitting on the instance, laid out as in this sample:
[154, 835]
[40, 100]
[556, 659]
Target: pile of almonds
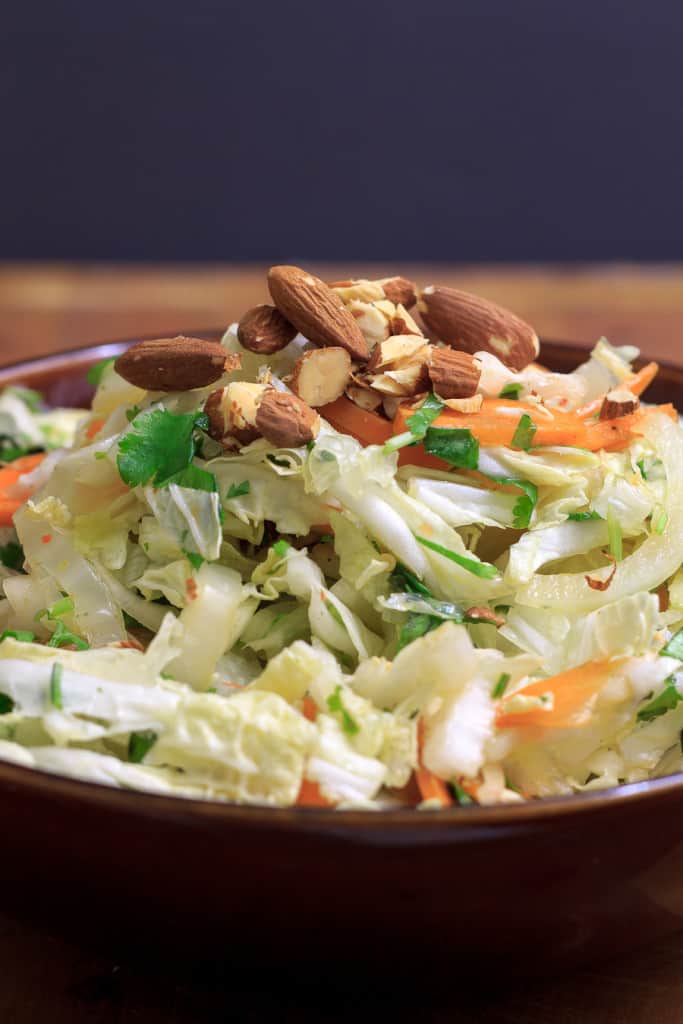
[368, 348]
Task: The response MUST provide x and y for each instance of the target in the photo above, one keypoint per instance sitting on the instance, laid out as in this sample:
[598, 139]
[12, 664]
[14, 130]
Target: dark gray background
[487, 130]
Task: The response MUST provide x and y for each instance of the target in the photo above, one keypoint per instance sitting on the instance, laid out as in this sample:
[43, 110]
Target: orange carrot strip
[309, 709]
[9, 475]
[572, 693]
[310, 795]
[348, 418]
[94, 428]
[635, 384]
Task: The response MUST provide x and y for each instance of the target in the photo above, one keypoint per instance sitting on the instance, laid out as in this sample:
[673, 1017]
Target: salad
[346, 557]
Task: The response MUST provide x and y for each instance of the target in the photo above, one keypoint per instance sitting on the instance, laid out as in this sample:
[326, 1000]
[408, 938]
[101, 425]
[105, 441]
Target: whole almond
[453, 374]
[473, 324]
[285, 420]
[316, 310]
[320, 376]
[175, 364]
[264, 330]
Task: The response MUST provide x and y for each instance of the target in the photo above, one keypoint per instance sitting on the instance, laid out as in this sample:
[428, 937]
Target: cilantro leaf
[195, 478]
[416, 625]
[139, 745]
[56, 686]
[408, 581]
[12, 555]
[453, 444]
[526, 503]
[501, 685]
[96, 372]
[160, 445]
[463, 798]
[417, 424]
[511, 390]
[482, 569]
[336, 705]
[281, 547]
[524, 433]
[62, 636]
[674, 648]
[24, 636]
[6, 704]
[582, 517]
[665, 701]
[195, 559]
[237, 490]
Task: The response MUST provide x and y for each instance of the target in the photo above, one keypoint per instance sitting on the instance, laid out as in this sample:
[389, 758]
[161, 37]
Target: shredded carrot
[349, 418]
[431, 787]
[94, 428]
[9, 475]
[310, 795]
[572, 691]
[309, 709]
[635, 384]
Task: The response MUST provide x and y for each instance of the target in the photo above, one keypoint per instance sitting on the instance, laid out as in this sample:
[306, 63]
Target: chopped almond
[619, 402]
[465, 405]
[396, 351]
[485, 615]
[321, 375]
[374, 325]
[285, 420]
[364, 397]
[232, 411]
[454, 374]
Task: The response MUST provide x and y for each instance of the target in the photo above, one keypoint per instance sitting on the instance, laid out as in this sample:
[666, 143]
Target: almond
[467, 322]
[618, 402]
[396, 289]
[373, 324]
[285, 420]
[316, 310]
[400, 290]
[232, 411]
[405, 381]
[175, 364]
[485, 615]
[365, 398]
[264, 330]
[320, 376]
[467, 405]
[453, 374]
[396, 351]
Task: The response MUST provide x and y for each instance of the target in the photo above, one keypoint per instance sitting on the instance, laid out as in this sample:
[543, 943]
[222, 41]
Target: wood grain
[44, 975]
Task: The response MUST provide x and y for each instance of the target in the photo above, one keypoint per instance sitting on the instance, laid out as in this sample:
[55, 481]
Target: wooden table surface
[46, 976]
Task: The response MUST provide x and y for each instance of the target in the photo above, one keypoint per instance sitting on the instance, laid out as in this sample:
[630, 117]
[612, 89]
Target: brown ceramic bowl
[522, 887]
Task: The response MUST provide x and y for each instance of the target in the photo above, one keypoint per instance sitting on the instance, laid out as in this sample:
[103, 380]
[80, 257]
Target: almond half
[232, 411]
[175, 364]
[473, 324]
[285, 420]
[264, 330]
[453, 374]
[321, 375]
[618, 402]
[315, 310]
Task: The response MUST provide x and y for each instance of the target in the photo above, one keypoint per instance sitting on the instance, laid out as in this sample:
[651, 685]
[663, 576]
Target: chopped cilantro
[195, 559]
[454, 445]
[415, 626]
[674, 648]
[659, 525]
[281, 547]
[62, 607]
[10, 449]
[511, 390]
[418, 424]
[100, 456]
[641, 466]
[12, 555]
[482, 569]
[336, 705]
[408, 581]
[616, 546]
[463, 798]
[195, 478]
[6, 704]
[62, 636]
[525, 504]
[56, 686]
[665, 701]
[132, 413]
[96, 372]
[501, 685]
[524, 433]
[24, 636]
[582, 517]
[277, 462]
[160, 445]
[139, 745]
[237, 490]
[334, 613]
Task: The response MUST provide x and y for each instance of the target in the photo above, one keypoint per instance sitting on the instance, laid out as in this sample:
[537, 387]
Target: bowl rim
[350, 822]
